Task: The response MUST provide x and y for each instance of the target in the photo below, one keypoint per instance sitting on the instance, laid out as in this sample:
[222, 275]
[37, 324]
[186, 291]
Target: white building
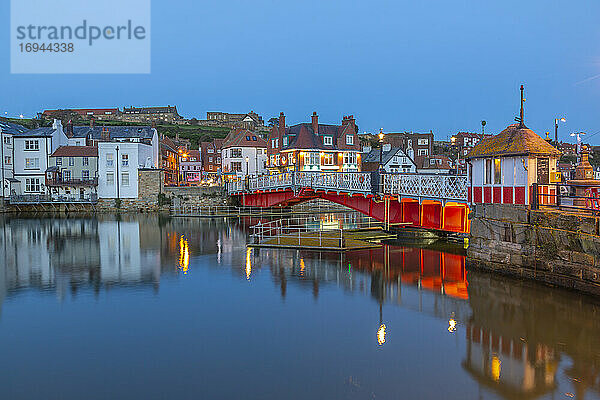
[31, 153]
[7, 131]
[119, 160]
[393, 160]
[244, 153]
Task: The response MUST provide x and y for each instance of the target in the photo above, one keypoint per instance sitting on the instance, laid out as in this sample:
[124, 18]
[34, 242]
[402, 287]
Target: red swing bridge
[438, 202]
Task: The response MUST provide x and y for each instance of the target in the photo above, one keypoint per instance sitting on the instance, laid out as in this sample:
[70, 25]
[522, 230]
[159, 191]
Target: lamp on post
[556, 121]
[453, 141]
[381, 136]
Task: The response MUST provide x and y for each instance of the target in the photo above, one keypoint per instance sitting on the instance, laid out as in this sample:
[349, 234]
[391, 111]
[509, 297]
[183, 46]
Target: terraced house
[73, 173]
[314, 147]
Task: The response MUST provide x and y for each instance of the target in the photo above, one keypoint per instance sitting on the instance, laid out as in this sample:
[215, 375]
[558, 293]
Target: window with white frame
[236, 166]
[32, 163]
[66, 175]
[349, 140]
[58, 161]
[125, 160]
[32, 185]
[85, 174]
[350, 158]
[125, 179]
[312, 159]
[423, 152]
[109, 159]
[272, 159]
[285, 140]
[110, 178]
[488, 171]
[86, 161]
[32, 145]
[7, 160]
[210, 159]
[235, 153]
[6, 139]
[277, 159]
[210, 150]
[328, 140]
[328, 159]
[71, 161]
[423, 142]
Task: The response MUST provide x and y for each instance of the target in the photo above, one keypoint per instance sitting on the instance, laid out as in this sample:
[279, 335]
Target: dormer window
[328, 140]
[285, 140]
[349, 140]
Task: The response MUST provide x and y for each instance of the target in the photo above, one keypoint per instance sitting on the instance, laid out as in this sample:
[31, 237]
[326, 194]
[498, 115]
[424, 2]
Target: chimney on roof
[281, 124]
[105, 137]
[315, 123]
[69, 129]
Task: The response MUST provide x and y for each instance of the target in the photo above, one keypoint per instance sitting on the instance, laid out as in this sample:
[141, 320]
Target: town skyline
[394, 66]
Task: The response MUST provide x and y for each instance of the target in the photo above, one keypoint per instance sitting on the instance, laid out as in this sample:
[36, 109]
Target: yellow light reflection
[248, 263]
[452, 325]
[302, 266]
[496, 368]
[184, 255]
[381, 334]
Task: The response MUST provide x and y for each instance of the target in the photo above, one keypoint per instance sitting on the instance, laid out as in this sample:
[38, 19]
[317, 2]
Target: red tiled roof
[244, 138]
[76, 151]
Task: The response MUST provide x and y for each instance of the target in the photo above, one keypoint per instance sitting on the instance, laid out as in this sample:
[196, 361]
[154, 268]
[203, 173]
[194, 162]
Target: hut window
[488, 172]
[497, 171]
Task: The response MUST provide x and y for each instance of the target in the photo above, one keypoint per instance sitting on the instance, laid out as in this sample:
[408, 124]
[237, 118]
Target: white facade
[118, 165]
[234, 160]
[400, 162]
[6, 162]
[31, 152]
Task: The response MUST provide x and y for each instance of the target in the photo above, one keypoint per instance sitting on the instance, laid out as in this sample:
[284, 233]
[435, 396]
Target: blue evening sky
[415, 65]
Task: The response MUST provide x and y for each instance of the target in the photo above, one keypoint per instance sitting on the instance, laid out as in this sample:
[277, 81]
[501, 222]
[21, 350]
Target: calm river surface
[149, 308]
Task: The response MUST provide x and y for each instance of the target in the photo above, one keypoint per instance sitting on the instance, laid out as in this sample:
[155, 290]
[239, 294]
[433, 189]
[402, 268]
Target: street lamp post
[453, 140]
[556, 121]
[381, 136]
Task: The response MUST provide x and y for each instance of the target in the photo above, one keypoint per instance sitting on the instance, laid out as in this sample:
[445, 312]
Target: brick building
[313, 146]
[417, 146]
[211, 158]
[169, 161]
[250, 120]
[465, 141]
[166, 114]
[100, 114]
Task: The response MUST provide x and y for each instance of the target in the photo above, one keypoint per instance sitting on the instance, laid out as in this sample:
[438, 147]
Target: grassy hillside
[194, 133]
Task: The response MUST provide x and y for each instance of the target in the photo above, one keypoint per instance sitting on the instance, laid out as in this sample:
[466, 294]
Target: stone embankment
[556, 247]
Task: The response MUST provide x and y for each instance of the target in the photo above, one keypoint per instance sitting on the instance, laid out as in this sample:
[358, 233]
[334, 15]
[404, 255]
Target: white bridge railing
[444, 187]
[428, 186]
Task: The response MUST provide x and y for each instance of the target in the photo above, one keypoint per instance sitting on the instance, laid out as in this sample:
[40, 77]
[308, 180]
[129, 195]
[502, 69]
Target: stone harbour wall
[556, 247]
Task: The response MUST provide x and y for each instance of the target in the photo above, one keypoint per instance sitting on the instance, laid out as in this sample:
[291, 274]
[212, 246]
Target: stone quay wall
[555, 247]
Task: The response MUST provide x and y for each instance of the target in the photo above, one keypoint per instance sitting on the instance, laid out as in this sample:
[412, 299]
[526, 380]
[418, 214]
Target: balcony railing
[72, 182]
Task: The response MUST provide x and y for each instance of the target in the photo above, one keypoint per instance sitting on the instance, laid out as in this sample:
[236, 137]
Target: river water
[159, 308]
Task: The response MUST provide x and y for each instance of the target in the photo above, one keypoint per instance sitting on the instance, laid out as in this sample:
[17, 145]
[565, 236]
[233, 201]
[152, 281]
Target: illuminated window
[328, 159]
[349, 158]
[32, 163]
[497, 171]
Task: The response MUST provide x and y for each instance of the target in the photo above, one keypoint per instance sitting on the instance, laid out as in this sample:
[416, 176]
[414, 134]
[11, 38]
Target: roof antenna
[521, 118]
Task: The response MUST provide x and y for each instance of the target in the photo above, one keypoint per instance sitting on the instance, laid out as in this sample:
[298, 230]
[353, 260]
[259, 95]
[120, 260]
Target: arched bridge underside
[431, 202]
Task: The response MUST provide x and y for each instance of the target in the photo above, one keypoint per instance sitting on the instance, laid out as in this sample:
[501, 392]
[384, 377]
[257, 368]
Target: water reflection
[521, 340]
